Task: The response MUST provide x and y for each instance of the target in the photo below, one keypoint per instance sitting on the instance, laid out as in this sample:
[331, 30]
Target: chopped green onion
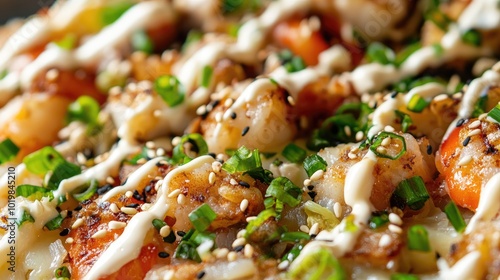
[293, 253]
[68, 42]
[290, 62]
[314, 163]
[113, 12]
[411, 192]
[495, 113]
[379, 53]
[319, 264]
[201, 217]
[8, 150]
[192, 36]
[350, 226]
[439, 19]
[33, 192]
[254, 224]
[85, 109]
[170, 90]
[3, 74]
[142, 42]
[43, 160]
[417, 104]
[243, 160]
[418, 239]
[294, 237]
[62, 272]
[261, 174]
[137, 157]
[187, 250]
[455, 217]
[54, 223]
[438, 49]
[480, 106]
[377, 141]
[321, 215]
[199, 146]
[233, 30]
[62, 171]
[230, 6]
[88, 193]
[158, 224]
[285, 191]
[206, 76]
[294, 153]
[405, 120]
[402, 276]
[378, 219]
[472, 37]
[406, 52]
[25, 217]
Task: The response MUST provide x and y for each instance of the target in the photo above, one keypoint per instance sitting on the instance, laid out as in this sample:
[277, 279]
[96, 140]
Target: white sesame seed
[145, 206]
[475, 124]
[314, 229]
[354, 149]
[360, 135]
[99, 234]
[389, 128]
[218, 117]
[114, 208]
[307, 182]
[482, 116]
[233, 182]
[381, 150]
[174, 193]
[80, 157]
[64, 213]
[347, 130]
[248, 251]
[251, 218]
[77, 223]
[141, 161]
[160, 152]
[304, 228]
[69, 240]
[244, 205]
[317, 175]
[221, 252]
[440, 97]
[239, 242]
[291, 100]
[176, 141]
[116, 225]
[129, 210]
[474, 132]
[283, 265]
[228, 102]
[395, 229]
[150, 145]
[231, 256]
[181, 199]
[465, 160]
[216, 166]
[201, 110]
[129, 194]
[157, 113]
[384, 241]
[337, 210]
[395, 219]
[386, 141]
[314, 23]
[241, 233]
[52, 75]
[165, 231]
[110, 180]
[211, 178]
[151, 153]
[351, 155]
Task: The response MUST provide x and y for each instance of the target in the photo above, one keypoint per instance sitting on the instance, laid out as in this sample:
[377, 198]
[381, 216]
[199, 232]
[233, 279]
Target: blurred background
[20, 8]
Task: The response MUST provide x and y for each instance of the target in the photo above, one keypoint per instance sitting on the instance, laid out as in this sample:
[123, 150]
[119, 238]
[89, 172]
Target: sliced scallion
[62, 272]
[480, 106]
[285, 191]
[187, 250]
[472, 37]
[378, 219]
[318, 264]
[43, 160]
[254, 224]
[243, 160]
[314, 163]
[54, 223]
[495, 113]
[405, 120]
[142, 42]
[88, 193]
[198, 145]
[33, 192]
[294, 237]
[406, 52]
[8, 150]
[206, 76]
[379, 53]
[418, 239]
[201, 217]
[170, 90]
[25, 217]
[411, 192]
[377, 141]
[63, 171]
[113, 12]
[294, 153]
[455, 217]
[417, 104]
[403, 276]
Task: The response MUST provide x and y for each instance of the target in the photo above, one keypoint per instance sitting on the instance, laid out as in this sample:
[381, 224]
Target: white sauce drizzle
[480, 14]
[468, 267]
[127, 247]
[488, 203]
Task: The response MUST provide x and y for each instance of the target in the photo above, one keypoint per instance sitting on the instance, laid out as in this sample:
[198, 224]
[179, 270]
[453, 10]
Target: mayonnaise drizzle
[128, 246]
[480, 14]
[468, 267]
[488, 203]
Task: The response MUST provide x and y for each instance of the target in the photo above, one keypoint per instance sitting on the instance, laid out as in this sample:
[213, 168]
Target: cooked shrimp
[260, 118]
[33, 121]
[467, 159]
[387, 173]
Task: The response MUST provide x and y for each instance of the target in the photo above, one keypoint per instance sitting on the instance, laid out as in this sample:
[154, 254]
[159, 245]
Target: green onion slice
[320, 264]
[85, 109]
[54, 223]
[402, 56]
[43, 160]
[62, 171]
[294, 237]
[192, 36]
[201, 217]
[378, 219]
[495, 113]
[254, 224]
[8, 150]
[33, 192]
[418, 239]
[113, 12]
[411, 192]
[88, 193]
[314, 163]
[405, 120]
[243, 160]
[455, 217]
[480, 105]
[142, 42]
[187, 250]
[294, 153]
[170, 90]
[379, 53]
[377, 141]
[403, 276]
[285, 191]
[25, 217]
[472, 37]
[199, 146]
[417, 104]
[206, 76]
[62, 272]
[321, 215]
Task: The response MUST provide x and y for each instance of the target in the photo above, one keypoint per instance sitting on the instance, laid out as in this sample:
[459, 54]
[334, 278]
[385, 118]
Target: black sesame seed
[132, 205]
[394, 94]
[245, 131]
[136, 195]
[78, 208]
[313, 235]
[438, 256]
[64, 232]
[466, 141]
[212, 155]
[159, 164]
[233, 115]
[312, 194]
[163, 255]
[148, 188]
[200, 274]
[181, 233]
[104, 189]
[460, 122]
[244, 184]
[70, 214]
[310, 187]
[239, 248]
[429, 149]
